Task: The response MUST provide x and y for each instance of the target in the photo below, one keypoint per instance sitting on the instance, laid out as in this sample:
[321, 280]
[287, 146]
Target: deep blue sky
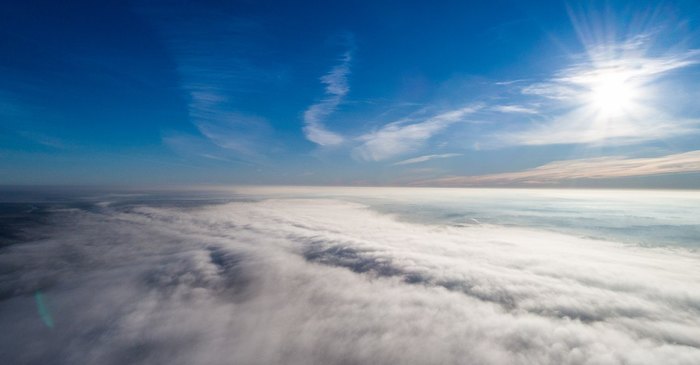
[450, 93]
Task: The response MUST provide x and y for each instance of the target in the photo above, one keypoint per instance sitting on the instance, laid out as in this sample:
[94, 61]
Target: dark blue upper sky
[451, 93]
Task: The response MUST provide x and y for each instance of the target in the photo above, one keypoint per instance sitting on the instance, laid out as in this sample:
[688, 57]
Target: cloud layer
[591, 168]
[300, 281]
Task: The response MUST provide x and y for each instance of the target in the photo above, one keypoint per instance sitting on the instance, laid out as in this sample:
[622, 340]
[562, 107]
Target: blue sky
[455, 93]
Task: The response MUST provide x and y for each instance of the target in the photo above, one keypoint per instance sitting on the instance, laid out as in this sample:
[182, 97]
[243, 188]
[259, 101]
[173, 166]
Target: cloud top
[299, 281]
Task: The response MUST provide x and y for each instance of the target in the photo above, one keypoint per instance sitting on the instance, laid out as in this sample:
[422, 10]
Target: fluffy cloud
[299, 281]
[591, 168]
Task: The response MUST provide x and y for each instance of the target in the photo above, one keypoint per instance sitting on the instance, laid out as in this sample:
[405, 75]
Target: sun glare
[612, 94]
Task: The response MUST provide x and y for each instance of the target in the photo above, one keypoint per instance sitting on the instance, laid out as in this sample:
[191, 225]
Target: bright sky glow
[612, 95]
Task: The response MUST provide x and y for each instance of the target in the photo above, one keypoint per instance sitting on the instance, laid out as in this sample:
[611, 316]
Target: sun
[611, 93]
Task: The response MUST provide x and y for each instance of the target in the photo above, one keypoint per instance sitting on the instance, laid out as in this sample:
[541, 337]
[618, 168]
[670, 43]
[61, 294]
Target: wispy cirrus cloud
[579, 129]
[226, 127]
[638, 68]
[612, 97]
[212, 52]
[336, 82]
[510, 82]
[425, 158]
[45, 140]
[397, 138]
[590, 168]
[513, 108]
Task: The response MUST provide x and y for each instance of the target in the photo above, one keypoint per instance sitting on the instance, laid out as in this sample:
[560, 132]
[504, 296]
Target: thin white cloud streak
[425, 158]
[397, 138]
[336, 82]
[311, 281]
[592, 168]
[189, 145]
[580, 127]
[509, 82]
[640, 69]
[226, 127]
[514, 109]
[45, 140]
[571, 119]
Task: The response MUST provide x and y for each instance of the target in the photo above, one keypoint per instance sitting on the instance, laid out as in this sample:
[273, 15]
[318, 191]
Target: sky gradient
[503, 93]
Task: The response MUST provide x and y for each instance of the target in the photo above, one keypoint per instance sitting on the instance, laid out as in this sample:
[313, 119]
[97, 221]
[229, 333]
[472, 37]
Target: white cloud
[214, 68]
[580, 127]
[592, 168]
[509, 82]
[425, 158]
[636, 67]
[228, 128]
[336, 82]
[611, 98]
[398, 138]
[551, 90]
[312, 281]
[514, 109]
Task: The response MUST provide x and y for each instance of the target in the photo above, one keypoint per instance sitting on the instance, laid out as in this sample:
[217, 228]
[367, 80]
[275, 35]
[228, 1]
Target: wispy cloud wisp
[512, 108]
[336, 82]
[397, 138]
[612, 97]
[425, 158]
[590, 168]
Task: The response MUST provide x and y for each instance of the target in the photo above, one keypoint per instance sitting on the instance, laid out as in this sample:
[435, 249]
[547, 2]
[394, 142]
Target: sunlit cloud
[590, 168]
[612, 97]
[336, 82]
[425, 158]
[579, 128]
[397, 138]
[208, 284]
